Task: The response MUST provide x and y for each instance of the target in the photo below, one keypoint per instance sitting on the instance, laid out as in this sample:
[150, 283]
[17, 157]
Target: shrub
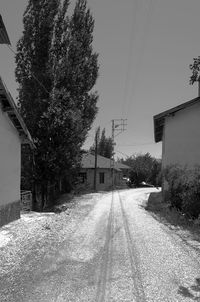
[191, 196]
[174, 175]
[184, 189]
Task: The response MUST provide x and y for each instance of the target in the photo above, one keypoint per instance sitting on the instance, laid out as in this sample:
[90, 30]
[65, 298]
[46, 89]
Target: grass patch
[173, 218]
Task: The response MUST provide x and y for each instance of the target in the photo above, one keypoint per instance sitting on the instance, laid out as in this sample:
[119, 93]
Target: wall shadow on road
[192, 292]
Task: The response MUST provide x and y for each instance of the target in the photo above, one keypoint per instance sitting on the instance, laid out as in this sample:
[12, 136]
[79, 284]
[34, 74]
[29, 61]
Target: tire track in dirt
[105, 268]
[134, 259]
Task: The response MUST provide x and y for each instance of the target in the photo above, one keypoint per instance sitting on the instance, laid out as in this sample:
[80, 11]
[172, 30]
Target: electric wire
[130, 50]
[122, 153]
[138, 57]
[137, 145]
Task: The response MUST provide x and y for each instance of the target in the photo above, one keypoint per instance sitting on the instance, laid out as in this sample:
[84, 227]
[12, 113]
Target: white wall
[10, 161]
[181, 137]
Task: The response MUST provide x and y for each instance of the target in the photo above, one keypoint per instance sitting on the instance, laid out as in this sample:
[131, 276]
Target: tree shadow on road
[192, 292]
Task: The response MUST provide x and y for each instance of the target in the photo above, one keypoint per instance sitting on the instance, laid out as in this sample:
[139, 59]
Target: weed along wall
[10, 169]
[181, 143]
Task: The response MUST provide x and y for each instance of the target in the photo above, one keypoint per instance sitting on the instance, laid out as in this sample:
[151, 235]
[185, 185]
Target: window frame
[101, 177]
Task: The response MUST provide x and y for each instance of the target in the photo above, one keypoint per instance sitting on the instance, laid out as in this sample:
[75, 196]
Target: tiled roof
[121, 166]
[8, 106]
[4, 39]
[88, 161]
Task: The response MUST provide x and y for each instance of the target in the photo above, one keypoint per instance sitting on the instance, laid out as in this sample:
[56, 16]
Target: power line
[120, 126]
[146, 28]
[122, 153]
[130, 50]
[135, 145]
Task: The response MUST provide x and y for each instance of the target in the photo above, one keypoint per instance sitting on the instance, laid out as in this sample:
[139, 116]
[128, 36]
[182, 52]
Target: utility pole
[112, 165]
[199, 87]
[95, 161]
[118, 125]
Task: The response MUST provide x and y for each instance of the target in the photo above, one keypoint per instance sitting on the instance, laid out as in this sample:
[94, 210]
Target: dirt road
[110, 250]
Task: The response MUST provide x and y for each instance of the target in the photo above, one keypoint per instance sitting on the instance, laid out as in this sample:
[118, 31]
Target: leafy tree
[56, 71]
[74, 67]
[34, 80]
[195, 67]
[144, 168]
[195, 77]
[32, 59]
[104, 146]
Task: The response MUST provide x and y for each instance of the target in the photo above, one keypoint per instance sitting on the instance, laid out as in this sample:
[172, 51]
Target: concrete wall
[118, 179]
[10, 169]
[181, 139]
[107, 179]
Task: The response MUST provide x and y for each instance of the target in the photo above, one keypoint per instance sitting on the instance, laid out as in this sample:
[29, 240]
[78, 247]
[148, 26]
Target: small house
[104, 170]
[179, 130]
[13, 133]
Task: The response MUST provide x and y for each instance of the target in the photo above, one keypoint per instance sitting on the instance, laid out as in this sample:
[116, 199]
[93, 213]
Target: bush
[145, 168]
[184, 189]
[175, 177]
[191, 196]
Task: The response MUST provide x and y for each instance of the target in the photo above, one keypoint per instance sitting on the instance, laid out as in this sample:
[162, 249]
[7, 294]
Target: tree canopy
[195, 67]
[57, 70]
[144, 167]
[104, 145]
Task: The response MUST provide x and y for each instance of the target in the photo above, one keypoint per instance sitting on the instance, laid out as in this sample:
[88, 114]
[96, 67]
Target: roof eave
[9, 106]
[159, 119]
[4, 38]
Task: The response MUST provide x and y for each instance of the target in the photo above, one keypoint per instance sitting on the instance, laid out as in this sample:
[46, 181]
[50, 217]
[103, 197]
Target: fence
[26, 201]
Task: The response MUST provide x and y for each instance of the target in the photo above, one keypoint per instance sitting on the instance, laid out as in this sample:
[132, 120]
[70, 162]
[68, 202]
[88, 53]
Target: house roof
[8, 106]
[4, 39]
[88, 162]
[121, 166]
[159, 119]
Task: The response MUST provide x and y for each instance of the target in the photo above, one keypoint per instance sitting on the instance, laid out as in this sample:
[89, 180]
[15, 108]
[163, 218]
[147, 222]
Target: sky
[145, 48]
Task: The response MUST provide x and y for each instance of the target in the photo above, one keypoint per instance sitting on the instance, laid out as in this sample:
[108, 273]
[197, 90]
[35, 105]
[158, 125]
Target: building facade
[13, 133]
[179, 130]
[104, 174]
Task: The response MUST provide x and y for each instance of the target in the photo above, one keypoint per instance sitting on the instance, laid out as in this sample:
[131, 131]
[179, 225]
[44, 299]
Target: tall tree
[105, 145]
[34, 80]
[195, 77]
[57, 70]
[75, 69]
[32, 59]
[75, 65]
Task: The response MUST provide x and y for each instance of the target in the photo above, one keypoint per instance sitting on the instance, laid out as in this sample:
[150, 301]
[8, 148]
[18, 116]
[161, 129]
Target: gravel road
[109, 249]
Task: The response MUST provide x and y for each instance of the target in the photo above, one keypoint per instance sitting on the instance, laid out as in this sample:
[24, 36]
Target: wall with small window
[103, 178]
[83, 177]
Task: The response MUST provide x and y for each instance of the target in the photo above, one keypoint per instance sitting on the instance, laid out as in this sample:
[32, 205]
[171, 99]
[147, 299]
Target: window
[83, 177]
[101, 178]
